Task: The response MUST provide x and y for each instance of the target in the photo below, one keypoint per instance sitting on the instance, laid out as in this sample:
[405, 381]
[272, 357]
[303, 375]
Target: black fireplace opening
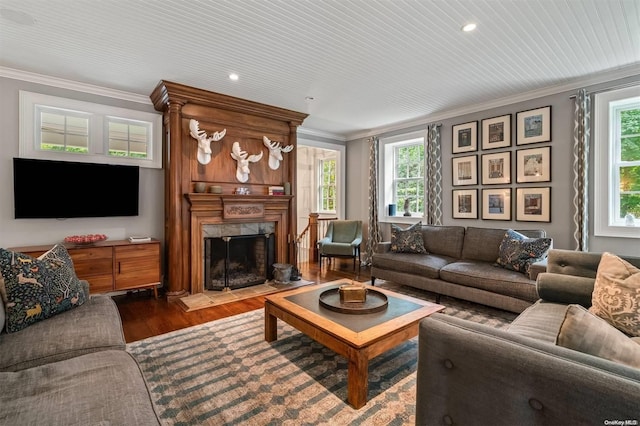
[238, 261]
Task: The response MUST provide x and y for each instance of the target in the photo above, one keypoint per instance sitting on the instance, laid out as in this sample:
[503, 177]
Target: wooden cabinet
[112, 265]
[136, 265]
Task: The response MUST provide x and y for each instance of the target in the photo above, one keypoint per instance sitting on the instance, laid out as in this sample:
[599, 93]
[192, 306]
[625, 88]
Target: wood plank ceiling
[366, 63]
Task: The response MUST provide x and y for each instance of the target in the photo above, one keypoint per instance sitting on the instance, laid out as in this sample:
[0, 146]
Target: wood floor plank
[144, 316]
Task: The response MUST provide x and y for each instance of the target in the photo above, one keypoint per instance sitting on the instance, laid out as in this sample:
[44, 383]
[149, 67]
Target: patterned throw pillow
[582, 331]
[517, 252]
[38, 288]
[407, 240]
[616, 294]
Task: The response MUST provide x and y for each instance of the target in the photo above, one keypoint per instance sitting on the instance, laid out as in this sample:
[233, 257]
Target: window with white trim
[69, 130]
[617, 163]
[403, 174]
[327, 188]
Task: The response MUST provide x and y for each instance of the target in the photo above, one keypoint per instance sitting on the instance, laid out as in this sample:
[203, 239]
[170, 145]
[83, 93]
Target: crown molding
[73, 85]
[592, 80]
[321, 134]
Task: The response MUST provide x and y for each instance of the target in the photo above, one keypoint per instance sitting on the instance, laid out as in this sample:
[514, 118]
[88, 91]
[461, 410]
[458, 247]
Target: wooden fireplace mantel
[245, 122]
[211, 209]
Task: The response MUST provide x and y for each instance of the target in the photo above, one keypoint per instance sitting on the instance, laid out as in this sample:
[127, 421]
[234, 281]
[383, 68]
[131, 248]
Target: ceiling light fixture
[233, 76]
[469, 27]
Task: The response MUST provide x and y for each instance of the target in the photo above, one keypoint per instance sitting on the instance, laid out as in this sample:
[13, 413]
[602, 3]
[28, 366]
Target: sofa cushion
[444, 240]
[102, 388]
[517, 252]
[407, 240]
[582, 331]
[94, 326]
[540, 321]
[484, 275]
[616, 294]
[484, 243]
[38, 288]
[417, 264]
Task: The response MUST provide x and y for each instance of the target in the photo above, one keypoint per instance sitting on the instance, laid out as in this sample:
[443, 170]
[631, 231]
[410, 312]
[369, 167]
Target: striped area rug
[225, 373]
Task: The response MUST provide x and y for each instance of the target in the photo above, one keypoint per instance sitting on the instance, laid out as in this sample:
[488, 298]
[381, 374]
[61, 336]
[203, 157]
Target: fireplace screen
[238, 261]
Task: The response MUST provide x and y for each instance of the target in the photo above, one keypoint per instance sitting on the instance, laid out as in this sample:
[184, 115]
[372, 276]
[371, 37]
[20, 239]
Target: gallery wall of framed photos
[501, 174]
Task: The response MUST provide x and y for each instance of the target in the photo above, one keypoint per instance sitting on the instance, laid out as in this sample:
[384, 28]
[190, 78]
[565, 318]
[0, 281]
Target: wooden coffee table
[358, 338]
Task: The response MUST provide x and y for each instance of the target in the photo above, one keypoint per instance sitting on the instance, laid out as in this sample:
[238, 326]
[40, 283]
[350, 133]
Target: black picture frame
[465, 137]
[533, 126]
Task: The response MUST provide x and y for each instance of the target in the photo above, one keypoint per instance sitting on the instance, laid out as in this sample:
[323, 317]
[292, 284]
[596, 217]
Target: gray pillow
[585, 332]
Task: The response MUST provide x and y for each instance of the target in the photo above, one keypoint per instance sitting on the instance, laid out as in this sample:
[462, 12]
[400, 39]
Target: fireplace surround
[186, 212]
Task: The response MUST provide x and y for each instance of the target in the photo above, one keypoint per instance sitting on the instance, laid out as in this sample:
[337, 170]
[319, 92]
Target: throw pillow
[407, 240]
[584, 332]
[38, 288]
[616, 294]
[517, 252]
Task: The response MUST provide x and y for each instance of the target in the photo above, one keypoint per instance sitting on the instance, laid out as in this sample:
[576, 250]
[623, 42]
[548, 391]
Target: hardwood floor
[143, 316]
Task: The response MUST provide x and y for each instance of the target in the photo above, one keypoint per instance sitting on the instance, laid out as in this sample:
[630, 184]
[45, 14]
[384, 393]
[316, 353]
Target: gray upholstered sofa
[72, 369]
[460, 262]
[469, 373]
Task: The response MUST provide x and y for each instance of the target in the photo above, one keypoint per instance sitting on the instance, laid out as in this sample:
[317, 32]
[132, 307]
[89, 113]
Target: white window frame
[321, 162]
[386, 174]
[99, 117]
[607, 148]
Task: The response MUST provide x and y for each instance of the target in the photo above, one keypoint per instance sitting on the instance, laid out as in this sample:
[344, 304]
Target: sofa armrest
[472, 373]
[537, 268]
[384, 247]
[561, 288]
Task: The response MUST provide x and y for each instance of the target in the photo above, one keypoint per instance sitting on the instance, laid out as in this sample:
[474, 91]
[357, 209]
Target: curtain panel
[581, 141]
[434, 176]
[374, 235]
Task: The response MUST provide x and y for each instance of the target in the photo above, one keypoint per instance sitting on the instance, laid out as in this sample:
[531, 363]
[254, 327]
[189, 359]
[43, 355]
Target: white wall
[21, 232]
[561, 226]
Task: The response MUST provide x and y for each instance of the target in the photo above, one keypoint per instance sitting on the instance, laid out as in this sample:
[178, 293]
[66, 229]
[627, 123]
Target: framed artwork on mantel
[465, 137]
[533, 126]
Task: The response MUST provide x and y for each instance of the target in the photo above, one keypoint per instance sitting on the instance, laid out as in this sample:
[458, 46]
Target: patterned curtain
[581, 137]
[434, 176]
[374, 235]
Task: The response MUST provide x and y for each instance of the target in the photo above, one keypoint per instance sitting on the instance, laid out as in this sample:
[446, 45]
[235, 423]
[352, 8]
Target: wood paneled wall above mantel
[246, 122]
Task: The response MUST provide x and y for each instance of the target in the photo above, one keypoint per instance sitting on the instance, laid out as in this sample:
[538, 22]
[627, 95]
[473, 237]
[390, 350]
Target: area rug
[215, 298]
[225, 373]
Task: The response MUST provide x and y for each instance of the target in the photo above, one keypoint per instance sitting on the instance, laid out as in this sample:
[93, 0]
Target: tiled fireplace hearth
[248, 233]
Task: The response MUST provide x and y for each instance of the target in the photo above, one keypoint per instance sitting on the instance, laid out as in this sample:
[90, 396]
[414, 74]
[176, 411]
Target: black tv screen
[62, 189]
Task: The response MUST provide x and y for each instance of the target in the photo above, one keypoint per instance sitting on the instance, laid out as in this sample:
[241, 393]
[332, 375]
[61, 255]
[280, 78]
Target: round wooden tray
[375, 302]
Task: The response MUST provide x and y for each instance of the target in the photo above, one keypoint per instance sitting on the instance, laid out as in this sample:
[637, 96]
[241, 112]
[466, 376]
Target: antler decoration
[204, 141]
[242, 169]
[275, 152]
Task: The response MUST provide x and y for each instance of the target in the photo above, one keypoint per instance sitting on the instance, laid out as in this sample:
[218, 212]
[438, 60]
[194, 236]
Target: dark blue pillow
[38, 288]
[517, 252]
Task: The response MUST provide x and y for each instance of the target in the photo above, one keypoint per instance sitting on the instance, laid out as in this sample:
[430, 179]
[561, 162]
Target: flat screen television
[46, 189]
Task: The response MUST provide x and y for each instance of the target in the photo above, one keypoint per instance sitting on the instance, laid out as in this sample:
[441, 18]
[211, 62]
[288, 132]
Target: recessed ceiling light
[469, 27]
[233, 76]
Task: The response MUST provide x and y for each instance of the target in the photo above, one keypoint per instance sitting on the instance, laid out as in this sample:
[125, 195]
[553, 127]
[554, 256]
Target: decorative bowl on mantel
[85, 239]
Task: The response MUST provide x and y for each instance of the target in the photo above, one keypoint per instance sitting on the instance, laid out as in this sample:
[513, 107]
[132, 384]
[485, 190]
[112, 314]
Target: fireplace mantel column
[178, 263]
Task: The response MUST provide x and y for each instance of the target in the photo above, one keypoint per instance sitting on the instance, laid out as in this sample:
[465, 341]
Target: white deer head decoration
[275, 152]
[204, 141]
[242, 168]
